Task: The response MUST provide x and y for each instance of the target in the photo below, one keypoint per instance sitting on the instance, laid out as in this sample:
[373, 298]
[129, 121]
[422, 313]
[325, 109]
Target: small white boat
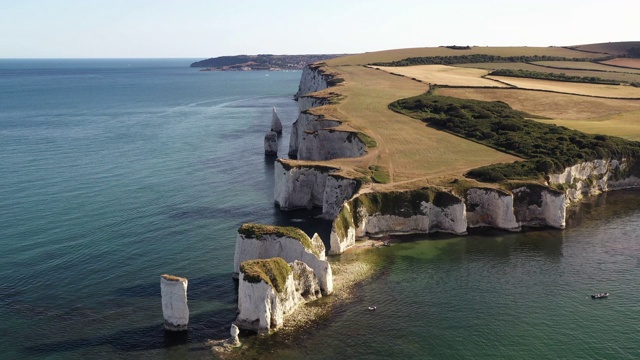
[601, 295]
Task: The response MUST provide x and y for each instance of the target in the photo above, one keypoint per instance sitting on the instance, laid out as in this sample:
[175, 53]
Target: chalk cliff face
[266, 294]
[307, 123]
[327, 144]
[303, 187]
[276, 124]
[537, 205]
[175, 311]
[312, 79]
[262, 242]
[594, 177]
[398, 212]
[492, 208]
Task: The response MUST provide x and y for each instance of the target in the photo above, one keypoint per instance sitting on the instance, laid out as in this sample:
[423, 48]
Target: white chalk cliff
[276, 124]
[313, 79]
[304, 187]
[397, 213]
[328, 144]
[492, 208]
[270, 289]
[290, 244]
[175, 311]
[594, 177]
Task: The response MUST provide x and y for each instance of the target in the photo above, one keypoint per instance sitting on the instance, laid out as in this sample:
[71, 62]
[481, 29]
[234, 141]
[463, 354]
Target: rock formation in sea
[175, 311]
[276, 124]
[271, 143]
[257, 241]
[305, 187]
[270, 289]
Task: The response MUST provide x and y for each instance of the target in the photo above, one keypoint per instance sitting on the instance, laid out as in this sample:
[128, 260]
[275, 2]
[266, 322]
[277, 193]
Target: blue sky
[208, 28]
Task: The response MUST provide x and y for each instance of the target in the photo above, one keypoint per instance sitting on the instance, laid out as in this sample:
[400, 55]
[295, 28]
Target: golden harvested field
[616, 76]
[625, 125]
[588, 114]
[551, 105]
[406, 147]
[399, 54]
[444, 75]
[611, 91]
[585, 65]
[630, 63]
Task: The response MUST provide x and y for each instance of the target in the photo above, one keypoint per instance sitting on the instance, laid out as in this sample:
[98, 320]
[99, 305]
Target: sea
[115, 171]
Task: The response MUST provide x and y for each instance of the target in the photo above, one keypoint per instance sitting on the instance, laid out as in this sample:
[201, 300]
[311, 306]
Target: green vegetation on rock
[548, 148]
[272, 271]
[259, 231]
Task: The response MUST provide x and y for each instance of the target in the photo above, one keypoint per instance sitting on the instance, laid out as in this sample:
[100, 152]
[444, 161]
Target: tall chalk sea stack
[174, 302]
[276, 125]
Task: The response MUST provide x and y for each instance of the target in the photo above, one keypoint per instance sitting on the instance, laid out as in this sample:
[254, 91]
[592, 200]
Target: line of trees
[552, 76]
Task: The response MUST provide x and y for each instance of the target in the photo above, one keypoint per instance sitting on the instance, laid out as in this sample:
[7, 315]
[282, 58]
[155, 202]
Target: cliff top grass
[173, 278]
[548, 148]
[272, 271]
[410, 154]
[259, 231]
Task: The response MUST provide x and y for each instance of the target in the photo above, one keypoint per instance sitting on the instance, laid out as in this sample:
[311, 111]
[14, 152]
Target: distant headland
[261, 62]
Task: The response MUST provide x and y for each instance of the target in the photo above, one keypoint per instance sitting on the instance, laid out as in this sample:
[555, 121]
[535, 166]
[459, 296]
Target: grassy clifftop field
[583, 89]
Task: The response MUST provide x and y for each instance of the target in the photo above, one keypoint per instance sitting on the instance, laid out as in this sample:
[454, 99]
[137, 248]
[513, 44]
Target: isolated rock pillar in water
[271, 143]
[174, 302]
[276, 124]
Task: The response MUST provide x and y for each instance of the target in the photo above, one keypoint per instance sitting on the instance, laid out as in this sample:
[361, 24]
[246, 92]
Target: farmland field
[616, 76]
[406, 147]
[588, 114]
[630, 63]
[408, 152]
[399, 54]
[585, 65]
[444, 75]
[609, 91]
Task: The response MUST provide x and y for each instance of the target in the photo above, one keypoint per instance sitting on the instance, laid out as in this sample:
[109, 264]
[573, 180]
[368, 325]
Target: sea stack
[276, 125]
[271, 143]
[174, 302]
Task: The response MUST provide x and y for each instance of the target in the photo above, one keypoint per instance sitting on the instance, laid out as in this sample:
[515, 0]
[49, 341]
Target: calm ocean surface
[113, 172]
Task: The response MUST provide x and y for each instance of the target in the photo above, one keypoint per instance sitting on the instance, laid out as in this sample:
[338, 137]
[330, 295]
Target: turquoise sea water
[113, 172]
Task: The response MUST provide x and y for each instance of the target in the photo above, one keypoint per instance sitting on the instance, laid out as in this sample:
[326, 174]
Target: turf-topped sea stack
[270, 289]
[257, 241]
[174, 302]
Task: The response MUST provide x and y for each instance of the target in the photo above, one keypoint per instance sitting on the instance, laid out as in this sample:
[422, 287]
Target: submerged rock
[174, 302]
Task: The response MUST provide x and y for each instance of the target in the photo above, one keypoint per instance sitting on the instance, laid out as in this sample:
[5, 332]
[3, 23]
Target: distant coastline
[260, 62]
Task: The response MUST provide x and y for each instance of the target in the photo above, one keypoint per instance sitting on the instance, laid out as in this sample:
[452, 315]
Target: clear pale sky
[208, 28]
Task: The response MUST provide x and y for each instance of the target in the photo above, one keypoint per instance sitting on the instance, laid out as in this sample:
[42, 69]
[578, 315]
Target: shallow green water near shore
[496, 295]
